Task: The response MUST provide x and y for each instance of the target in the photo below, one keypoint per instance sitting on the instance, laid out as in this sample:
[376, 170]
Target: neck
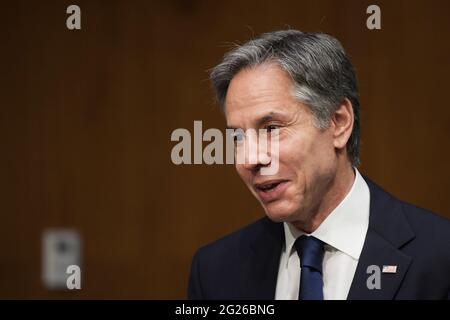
[340, 186]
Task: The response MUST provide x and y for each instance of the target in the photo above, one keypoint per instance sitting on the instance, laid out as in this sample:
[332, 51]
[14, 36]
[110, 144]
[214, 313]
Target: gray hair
[321, 71]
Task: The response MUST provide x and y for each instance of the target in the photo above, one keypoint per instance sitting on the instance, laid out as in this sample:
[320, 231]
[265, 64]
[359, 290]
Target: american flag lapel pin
[389, 269]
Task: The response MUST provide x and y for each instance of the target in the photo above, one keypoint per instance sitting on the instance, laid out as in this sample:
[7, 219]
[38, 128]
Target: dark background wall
[86, 118]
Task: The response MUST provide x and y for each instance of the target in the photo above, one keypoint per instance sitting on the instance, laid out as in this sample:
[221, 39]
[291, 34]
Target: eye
[238, 136]
[272, 127]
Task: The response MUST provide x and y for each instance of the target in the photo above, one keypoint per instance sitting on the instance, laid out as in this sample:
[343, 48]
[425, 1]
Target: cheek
[292, 152]
[304, 155]
[322, 150]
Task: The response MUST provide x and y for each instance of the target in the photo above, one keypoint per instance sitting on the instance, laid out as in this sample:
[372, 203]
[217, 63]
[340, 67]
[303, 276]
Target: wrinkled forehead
[258, 93]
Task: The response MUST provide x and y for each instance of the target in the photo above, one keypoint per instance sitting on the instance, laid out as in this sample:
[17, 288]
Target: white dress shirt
[343, 232]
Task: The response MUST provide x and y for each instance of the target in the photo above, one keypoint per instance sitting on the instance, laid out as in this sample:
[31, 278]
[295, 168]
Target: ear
[342, 123]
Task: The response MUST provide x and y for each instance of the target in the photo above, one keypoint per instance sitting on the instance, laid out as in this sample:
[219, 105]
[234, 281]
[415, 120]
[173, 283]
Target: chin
[279, 213]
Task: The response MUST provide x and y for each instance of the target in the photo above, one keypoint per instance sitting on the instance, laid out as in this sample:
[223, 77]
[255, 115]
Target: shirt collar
[345, 227]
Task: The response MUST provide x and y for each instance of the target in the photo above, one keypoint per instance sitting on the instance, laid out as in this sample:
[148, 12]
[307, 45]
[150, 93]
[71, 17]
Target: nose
[252, 153]
[256, 160]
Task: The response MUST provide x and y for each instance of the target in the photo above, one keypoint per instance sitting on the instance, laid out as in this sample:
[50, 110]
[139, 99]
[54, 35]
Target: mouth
[270, 190]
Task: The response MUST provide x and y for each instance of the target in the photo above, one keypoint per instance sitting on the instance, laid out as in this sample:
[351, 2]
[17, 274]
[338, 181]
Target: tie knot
[310, 251]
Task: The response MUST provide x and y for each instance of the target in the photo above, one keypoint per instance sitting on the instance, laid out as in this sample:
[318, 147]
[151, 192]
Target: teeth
[269, 186]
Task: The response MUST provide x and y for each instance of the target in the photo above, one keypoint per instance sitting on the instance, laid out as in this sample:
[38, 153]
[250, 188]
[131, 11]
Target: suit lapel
[260, 268]
[378, 252]
[388, 232]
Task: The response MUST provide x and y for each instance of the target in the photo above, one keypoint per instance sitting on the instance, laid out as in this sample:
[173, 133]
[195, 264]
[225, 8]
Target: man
[329, 232]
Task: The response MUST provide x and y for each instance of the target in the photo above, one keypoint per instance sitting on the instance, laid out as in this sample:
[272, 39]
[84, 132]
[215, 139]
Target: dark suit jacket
[244, 264]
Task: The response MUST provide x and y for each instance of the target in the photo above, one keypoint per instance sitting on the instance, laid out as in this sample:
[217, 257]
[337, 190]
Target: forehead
[257, 91]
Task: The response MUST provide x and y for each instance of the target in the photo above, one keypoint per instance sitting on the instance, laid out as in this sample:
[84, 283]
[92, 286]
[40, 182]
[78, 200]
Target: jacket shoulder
[422, 221]
[427, 224]
[232, 242]
[217, 267]
[431, 242]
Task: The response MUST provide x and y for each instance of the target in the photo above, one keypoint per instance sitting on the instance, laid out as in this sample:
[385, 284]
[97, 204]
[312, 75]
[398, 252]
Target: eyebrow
[268, 117]
[264, 119]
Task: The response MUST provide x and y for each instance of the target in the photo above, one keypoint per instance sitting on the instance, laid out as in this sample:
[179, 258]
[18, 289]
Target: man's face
[261, 98]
